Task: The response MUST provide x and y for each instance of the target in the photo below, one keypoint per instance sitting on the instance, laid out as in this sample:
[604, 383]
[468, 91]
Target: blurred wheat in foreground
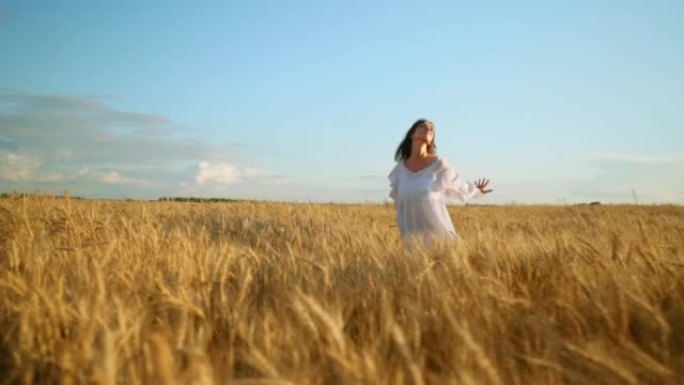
[109, 292]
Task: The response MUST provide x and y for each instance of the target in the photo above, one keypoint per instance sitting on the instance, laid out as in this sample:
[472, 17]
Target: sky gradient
[555, 102]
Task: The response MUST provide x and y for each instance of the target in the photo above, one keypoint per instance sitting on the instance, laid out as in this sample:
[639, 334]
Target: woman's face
[425, 132]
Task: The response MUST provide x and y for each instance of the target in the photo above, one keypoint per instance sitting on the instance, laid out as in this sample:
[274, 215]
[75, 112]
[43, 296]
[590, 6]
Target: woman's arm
[457, 188]
[394, 183]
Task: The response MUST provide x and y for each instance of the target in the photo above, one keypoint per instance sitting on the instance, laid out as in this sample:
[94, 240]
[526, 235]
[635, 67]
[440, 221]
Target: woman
[420, 183]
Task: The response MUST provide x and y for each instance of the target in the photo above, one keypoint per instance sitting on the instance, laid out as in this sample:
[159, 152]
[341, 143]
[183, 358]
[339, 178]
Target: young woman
[421, 181]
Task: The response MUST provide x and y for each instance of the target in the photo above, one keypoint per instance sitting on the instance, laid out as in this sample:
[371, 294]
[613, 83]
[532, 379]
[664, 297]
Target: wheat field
[131, 292]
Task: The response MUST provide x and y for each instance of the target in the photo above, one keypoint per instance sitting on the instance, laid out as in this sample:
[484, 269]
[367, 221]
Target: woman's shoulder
[443, 164]
[396, 168]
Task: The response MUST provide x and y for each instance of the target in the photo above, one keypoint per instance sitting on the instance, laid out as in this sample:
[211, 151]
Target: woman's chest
[417, 182]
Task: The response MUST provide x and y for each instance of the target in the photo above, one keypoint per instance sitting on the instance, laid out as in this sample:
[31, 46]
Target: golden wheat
[113, 292]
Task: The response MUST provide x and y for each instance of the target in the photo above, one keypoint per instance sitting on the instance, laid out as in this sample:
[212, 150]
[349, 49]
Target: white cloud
[114, 177]
[222, 173]
[58, 142]
[227, 174]
[14, 167]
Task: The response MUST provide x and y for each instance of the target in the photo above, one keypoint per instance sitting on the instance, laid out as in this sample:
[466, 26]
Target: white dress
[420, 198]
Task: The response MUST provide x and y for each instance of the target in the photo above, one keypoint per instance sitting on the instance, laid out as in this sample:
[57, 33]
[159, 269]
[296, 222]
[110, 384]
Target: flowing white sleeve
[455, 187]
[394, 182]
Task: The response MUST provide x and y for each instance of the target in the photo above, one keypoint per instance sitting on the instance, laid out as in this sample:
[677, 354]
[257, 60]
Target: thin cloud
[61, 141]
[15, 167]
[370, 178]
[618, 177]
[612, 158]
[7, 144]
[111, 177]
[223, 173]
[229, 174]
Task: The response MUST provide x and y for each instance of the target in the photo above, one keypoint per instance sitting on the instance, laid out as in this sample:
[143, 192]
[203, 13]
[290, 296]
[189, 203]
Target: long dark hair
[404, 149]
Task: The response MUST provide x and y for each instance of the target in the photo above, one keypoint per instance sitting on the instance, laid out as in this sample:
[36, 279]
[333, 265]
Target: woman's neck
[419, 150]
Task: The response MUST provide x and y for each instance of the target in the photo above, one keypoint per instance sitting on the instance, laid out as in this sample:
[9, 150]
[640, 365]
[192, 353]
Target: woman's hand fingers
[481, 184]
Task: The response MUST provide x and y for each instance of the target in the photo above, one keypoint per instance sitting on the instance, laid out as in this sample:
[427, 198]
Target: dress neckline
[422, 169]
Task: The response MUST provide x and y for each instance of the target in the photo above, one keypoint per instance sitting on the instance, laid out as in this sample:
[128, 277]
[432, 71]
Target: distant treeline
[211, 200]
[197, 200]
[14, 195]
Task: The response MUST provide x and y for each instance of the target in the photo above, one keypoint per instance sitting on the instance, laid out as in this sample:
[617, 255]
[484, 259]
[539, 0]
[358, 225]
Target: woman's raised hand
[481, 185]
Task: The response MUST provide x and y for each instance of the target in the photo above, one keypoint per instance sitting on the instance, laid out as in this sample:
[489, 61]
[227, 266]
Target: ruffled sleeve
[453, 186]
[394, 182]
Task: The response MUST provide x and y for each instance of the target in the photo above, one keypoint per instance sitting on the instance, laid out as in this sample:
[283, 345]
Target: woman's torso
[421, 206]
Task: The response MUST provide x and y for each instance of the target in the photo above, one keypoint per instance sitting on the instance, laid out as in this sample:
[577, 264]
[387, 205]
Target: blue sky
[556, 102]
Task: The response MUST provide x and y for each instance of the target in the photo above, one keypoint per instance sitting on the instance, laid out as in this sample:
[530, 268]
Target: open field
[113, 292]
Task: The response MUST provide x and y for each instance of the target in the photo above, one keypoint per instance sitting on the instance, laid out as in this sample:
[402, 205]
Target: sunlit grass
[112, 292]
